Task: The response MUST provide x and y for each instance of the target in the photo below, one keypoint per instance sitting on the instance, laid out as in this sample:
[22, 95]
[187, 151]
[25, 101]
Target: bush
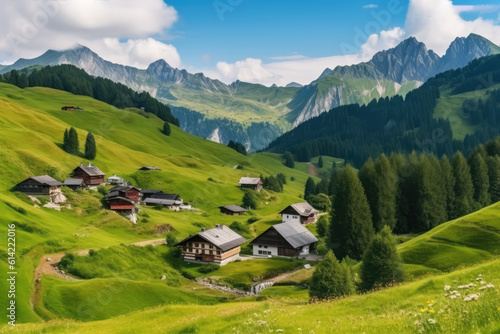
[208, 268]
[239, 227]
[331, 279]
[171, 239]
[159, 206]
[187, 275]
[381, 263]
[322, 226]
[321, 202]
[67, 261]
[252, 220]
[44, 199]
[102, 190]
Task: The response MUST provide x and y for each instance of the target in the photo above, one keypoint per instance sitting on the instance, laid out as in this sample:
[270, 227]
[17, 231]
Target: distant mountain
[390, 72]
[294, 84]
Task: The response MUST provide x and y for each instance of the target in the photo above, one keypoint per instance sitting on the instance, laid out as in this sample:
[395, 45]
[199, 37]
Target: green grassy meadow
[117, 288]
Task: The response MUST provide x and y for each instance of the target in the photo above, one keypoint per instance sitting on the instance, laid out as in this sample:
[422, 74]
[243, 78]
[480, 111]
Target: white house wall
[287, 218]
[262, 249]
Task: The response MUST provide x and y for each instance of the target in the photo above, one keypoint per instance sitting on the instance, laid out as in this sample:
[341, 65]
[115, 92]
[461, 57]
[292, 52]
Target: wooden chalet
[253, 183]
[128, 192]
[68, 108]
[92, 175]
[120, 204]
[168, 203]
[232, 210]
[157, 193]
[146, 168]
[303, 213]
[286, 239]
[42, 186]
[74, 184]
[218, 245]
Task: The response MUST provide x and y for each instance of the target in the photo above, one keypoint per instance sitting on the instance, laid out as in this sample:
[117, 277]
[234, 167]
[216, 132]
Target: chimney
[203, 229]
[90, 164]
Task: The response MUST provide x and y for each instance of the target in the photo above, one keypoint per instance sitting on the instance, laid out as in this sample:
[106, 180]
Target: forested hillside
[402, 125]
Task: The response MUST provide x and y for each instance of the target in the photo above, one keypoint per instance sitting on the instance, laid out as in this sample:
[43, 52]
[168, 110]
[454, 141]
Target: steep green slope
[202, 172]
[465, 241]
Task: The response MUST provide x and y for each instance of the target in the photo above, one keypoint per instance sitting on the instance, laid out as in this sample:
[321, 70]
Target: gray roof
[151, 191]
[249, 180]
[296, 234]
[221, 237]
[91, 170]
[161, 201]
[48, 180]
[233, 208]
[119, 197]
[73, 182]
[123, 188]
[303, 209]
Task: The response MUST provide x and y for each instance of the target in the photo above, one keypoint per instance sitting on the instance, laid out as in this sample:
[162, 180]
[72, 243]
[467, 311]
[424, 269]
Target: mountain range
[254, 114]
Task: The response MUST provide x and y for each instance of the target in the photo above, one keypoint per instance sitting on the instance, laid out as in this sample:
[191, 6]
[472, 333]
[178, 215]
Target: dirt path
[48, 266]
[311, 169]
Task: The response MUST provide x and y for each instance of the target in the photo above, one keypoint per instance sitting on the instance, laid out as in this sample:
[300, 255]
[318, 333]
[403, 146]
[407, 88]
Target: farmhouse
[286, 239]
[218, 245]
[303, 213]
[68, 108]
[74, 184]
[92, 175]
[157, 193]
[253, 183]
[146, 168]
[42, 186]
[128, 192]
[120, 204]
[231, 210]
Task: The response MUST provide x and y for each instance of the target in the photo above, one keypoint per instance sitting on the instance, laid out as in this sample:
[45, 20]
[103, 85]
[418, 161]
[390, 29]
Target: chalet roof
[120, 198]
[122, 188]
[73, 182]
[304, 209]
[221, 237]
[296, 234]
[233, 208]
[90, 170]
[114, 177]
[151, 200]
[163, 195]
[46, 180]
[151, 191]
[250, 180]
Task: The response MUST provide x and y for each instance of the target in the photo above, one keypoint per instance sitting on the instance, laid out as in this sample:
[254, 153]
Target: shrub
[67, 261]
[102, 190]
[331, 279]
[239, 227]
[187, 275]
[321, 202]
[208, 268]
[171, 239]
[252, 220]
[159, 206]
[44, 199]
[381, 263]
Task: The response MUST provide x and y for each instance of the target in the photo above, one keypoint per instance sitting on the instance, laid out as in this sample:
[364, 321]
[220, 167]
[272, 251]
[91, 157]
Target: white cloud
[119, 30]
[370, 6]
[435, 22]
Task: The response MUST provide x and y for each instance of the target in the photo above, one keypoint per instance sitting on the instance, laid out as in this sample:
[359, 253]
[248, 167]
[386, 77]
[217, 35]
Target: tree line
[74, 80]
[356, 132]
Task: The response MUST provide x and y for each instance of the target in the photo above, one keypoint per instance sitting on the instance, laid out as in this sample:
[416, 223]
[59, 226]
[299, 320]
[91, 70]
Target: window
[210, 246]
[218, 252]
[265, 246]
[211, 252]
[196, 245]
[260, 246]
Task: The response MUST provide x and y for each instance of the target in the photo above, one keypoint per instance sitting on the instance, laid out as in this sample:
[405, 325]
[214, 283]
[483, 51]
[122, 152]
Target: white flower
[432, 321]
[482, 282]
[466, 299]
[447, 287]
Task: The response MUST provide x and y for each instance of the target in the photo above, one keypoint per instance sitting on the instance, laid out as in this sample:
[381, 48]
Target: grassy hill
[123, 289]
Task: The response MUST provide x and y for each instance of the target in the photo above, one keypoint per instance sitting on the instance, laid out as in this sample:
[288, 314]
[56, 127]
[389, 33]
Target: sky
[250, 40]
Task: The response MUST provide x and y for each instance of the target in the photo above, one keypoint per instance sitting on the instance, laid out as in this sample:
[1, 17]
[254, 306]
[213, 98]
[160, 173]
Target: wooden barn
[128, 192]
[253, 183]
[74, 184]
[218, 245]
[303, 213]
[42, 186]
[286, 239]
[68, 108]
[120, 204]
[92, 175]
[157, 193]
[232, 210]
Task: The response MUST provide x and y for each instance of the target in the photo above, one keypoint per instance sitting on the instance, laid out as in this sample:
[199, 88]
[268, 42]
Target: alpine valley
[255, 115]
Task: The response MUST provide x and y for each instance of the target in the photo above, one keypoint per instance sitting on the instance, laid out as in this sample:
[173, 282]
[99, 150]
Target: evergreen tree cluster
[289, 162]
[274, 183]
[74, 80]
[72, 146]
[237, 147]
[395, 124]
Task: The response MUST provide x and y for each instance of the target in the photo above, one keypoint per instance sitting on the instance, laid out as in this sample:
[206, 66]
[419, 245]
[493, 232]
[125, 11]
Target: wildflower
[431, 311]
[262, 322]
[482, 282]
[453, 296]
[466, 299]
[447, 287]
[279, 330]
[432, 321]
[465, 311]
[430, 301]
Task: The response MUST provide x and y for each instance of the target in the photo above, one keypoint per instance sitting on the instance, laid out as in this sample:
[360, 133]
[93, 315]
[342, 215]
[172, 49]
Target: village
[219, 245]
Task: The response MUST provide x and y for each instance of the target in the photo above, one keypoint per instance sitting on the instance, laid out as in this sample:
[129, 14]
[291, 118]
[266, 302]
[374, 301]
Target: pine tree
[90, 147]
[331, 279]
[66, 141]
[381, 263]
[310, 189]
[494, 177]
[166, 129]
[351, 222]
[250, 199]
[73, 145]
[449, 185]
[320, 162]
[289, 162]
[480, 179]
[464, 189]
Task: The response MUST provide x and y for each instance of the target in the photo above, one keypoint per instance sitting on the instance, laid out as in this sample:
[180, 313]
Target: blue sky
[272, 41]
[265, 29]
